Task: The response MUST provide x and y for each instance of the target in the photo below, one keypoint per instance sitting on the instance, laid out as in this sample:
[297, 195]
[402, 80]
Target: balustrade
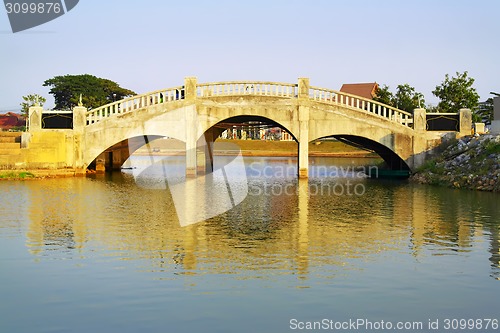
[258, 88]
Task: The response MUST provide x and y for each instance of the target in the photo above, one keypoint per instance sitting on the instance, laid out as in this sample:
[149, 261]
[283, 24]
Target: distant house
[11, 120]
[365, 90]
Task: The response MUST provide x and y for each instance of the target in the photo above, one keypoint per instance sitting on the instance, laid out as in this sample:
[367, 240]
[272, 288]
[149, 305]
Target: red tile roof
[366, 90]
[10, 119]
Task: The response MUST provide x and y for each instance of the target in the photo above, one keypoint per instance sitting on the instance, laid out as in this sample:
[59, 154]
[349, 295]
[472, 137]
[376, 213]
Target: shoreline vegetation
[470, 163]
[7, 175]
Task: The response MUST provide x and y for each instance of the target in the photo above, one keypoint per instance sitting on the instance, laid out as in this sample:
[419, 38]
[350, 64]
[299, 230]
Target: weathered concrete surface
[48, 150]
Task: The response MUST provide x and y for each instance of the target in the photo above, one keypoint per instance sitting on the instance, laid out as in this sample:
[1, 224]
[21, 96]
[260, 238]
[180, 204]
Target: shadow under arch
[113, 157]
[249, 121]
[392, 160]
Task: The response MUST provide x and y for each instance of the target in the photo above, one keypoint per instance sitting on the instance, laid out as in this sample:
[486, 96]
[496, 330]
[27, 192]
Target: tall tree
[29, 101]
[407, 99]
[456, 93]
[95, 91]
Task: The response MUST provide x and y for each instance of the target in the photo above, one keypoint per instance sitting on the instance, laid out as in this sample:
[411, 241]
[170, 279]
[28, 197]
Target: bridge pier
[303, 154]
[208, 148]
[191, 141]
[303, 159]
[100, 163]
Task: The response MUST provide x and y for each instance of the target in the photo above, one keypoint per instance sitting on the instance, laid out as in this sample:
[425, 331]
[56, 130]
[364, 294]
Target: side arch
[125, 141]
[391, 158]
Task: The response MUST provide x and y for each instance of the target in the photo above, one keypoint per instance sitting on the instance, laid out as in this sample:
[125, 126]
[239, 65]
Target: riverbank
[165, 147]
[328, 148]
[470, 162]
[37, 174]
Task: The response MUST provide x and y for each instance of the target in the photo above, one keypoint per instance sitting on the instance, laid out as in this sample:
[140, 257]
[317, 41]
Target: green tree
[383, 95]
[29, 101]
[407, 99]
[456, 93]
[95, 91]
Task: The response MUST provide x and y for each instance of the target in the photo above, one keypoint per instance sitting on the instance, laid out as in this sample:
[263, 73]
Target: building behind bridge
[365, 90]
[11, 120]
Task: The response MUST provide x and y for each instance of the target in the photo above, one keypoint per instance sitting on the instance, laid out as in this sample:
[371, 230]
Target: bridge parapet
[192, 90]
[360, 103]
[134, 103]
[259, 88]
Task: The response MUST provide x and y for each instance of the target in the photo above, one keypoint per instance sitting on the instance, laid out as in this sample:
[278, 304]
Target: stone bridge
[194, 112]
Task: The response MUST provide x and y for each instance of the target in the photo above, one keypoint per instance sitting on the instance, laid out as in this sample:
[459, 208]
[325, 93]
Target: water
[106, 255]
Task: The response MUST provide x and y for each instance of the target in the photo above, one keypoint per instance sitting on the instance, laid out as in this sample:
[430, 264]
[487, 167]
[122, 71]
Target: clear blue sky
[153, 44]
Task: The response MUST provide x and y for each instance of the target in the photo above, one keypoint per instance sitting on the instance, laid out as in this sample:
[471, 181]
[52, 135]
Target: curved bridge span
[194, 111]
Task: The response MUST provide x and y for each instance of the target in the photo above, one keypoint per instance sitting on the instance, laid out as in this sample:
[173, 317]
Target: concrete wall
[47, 149]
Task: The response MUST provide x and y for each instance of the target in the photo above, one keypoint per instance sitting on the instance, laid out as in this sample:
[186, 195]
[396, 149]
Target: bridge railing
[133, 103]
[231, 88]
[257, 88]
[337, 97]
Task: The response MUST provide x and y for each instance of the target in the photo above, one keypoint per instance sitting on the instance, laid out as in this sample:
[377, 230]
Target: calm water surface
[106, 255]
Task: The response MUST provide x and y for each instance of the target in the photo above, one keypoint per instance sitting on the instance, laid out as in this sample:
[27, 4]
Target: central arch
[247, 123]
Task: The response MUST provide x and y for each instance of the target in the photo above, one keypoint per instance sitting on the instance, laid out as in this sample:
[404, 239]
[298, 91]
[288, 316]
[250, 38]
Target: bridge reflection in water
[306, 235]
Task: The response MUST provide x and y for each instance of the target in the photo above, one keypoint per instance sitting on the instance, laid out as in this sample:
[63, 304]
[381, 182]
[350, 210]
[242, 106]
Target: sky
[153, 44]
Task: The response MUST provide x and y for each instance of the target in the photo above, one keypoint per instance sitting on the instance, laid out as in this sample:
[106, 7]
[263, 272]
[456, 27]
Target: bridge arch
[125, 141]
[393, 142]
[275, 111]
[247, 121]
[393, 161]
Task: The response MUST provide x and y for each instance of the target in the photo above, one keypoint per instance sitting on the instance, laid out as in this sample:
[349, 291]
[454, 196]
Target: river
[109, 254]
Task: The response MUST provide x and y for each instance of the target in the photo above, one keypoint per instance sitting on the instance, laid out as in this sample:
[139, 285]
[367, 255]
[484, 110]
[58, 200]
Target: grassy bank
[17, 175]
[36, 174]
[471, 163]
